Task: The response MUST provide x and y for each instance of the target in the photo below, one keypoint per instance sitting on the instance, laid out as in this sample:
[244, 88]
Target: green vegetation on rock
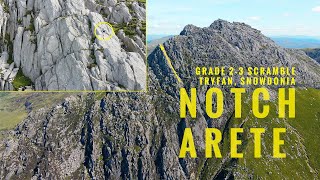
[13, 110]
[130, 29]
[143, 27]
[142, 1]
[21, 80]
[31, 28]
[5, 7]
[300, 142]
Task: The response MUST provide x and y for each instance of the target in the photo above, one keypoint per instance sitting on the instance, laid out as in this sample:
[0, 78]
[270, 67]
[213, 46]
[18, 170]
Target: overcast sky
[272, 17]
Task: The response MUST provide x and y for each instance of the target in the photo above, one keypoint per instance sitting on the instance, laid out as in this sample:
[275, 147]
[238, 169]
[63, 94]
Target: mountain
[72, 45]
[297, 42]
[138, 135]
[313, 53]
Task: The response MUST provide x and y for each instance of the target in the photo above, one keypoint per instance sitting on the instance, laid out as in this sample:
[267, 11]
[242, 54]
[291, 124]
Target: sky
[272, 17]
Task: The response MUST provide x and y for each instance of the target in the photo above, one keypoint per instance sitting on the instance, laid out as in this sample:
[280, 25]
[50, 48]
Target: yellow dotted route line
[169, 62]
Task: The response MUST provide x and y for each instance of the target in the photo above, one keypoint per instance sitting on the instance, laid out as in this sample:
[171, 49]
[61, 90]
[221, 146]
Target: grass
[307, 122]
[142, 1]
[21, 80]
[19, 21]
[31, 28]
[5, 7]
[130, 29]
[12, 108]
[143, 27]
[300, 142]
[129, 5]
[116, 28]
[11, 111]
[9, 121]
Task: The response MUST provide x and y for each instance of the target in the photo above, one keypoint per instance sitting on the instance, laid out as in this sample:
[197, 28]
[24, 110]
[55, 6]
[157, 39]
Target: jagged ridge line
[169, 62]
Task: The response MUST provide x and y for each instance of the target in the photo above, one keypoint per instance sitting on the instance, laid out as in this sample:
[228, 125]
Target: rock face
[138, 135]
[54, 45]
[7, 72]
[313, 53]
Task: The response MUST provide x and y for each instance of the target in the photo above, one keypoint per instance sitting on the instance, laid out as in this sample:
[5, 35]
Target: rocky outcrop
[53, 42]
[138, 135]
[313, 53]
[7, 73]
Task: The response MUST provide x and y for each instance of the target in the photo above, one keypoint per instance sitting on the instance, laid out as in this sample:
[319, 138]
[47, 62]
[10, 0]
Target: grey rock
[139, 69]
[140, 11]
[2, 82]
[120, 14]
[313, 53]
[17, 46]
[138, 40]
[13, 73]
[46, 35]
[11, 67]
[4, 58]
[111, 3]
[6, 74]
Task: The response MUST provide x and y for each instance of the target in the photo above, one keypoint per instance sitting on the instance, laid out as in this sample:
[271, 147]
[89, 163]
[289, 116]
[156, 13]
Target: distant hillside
[154, 42]
[297, 42]
[152, 37]
[313, 53]
[293, 42]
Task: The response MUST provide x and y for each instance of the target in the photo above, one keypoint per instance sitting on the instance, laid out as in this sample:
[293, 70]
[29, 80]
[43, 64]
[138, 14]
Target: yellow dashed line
[169, 62]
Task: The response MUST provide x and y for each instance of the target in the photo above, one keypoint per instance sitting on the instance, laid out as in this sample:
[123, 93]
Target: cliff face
[313, 53]
[138, 135]
[52, 44]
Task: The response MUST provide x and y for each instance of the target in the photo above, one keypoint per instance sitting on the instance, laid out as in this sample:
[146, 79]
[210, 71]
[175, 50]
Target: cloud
[165, 27]
[316, 9]
[289, 31]
[254, 18]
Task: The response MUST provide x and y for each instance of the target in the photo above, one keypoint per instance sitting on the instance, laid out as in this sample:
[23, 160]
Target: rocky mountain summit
[53, 44]
[138, 135]
[238, 44]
